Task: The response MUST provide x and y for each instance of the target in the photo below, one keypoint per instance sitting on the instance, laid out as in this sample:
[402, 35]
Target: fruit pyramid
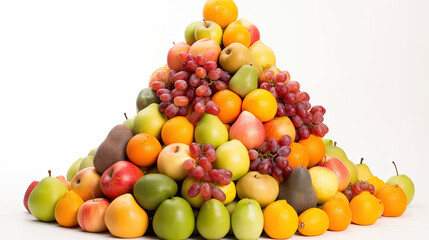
[220, 134]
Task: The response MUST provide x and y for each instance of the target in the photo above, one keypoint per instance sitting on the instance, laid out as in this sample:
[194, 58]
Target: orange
[229, 104]
[280, 220]
[177, 130]
[222, 12]
[393, 199]
[365, 208]
[236, 33]
[339, 213]
[260, 103]
[377, 182]
[341, 196]
[315, 147]
[313, 222]
[67, 208]
[143, 149]
[298, 156]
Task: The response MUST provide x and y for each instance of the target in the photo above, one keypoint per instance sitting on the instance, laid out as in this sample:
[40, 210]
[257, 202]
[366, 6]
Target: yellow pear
[263, 54]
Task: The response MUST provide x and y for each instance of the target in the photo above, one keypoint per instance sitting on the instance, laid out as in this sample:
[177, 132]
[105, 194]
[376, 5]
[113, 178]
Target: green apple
[210, 130]
[404, 182]
[209, 29]
[86, 162]
[73, 169]
[213, 221]
[336, 152]
[247, 220]
[233, 155]
[149, 120]
[325, 183]
[190, 32]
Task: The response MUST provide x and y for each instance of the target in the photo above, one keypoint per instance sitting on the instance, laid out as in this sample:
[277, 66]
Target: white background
[70, 69]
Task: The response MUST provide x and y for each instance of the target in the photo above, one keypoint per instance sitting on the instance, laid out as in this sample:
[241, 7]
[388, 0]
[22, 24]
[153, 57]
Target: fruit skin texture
[236, 33]
[149, 120]
[143, 149]
[27, 193]
[229, 104]
[365, 208]
[223, 12]
[253, 30]
[280, 220]
[339, 213]
[211, 130]
[336, 152]
[340, 170]
[298, 156]
[91, 215]
[278, 127]
[248, 130]
[324, 182]
[235, 56]
[247, 219]
[260, 103]
[73, 169]
[233, 156]
[209, 29]
[213, 221]
[263, 54]
[146, 97]
[393, 199]
[207, 47]
[316, 149]
[177, 130]
[313, 222]
[405, 183]
[171, 158]
[173, 59]
[86, 184]
[261, 187]
[190, 32]
[244, 80]
[174, 219]
[67, 208]
[125, 218]
[87, 161]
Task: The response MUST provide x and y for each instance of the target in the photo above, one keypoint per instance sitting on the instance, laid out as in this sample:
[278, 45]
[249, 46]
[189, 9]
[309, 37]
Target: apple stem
[49, 172]
[177, 149]
[174, 43]
[335, 144]
[361, 160]
[395, 168]
[205, 23]
[126, 117]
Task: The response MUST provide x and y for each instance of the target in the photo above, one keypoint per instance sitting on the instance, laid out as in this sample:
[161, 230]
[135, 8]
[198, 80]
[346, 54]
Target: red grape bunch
[353, 190]
[204, 172]
[271, 156]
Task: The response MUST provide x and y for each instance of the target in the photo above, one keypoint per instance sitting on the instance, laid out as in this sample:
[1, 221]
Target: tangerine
[298, 156]
[339, 213]
[280, 220]
[236, 33]
[67, 208]
[393, 199]
[365, 208]
[222, 12]
[177, 130]
[260, 103]
[313, 222]
[315, 147]
[143, 149]
[229, 104]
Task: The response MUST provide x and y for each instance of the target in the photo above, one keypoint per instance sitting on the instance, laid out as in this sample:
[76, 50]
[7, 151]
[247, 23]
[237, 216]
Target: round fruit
[313, 222]
[151, 189]
[298, 156]
[143, 149]
[236, 33]
[377, 182]
[343, 197]
[365, 208]
[260, 103]
[177, 130]
[222, 12]
[67, 208]
[280, 220]
[278, 127]
[261, 187]
[315, 147]
[229, 104]
[339, 213]
[393, 199]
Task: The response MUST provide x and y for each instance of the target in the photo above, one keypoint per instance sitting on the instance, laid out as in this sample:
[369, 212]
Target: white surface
[70, 69]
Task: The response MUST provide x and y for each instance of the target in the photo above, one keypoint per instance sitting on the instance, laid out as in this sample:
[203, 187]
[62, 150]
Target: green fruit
[196, 201]
[146, 97]
[328, 142]
[174, 219]
[244, 80]
[86, 162]
[152, 189]
[235, 56]
[210, 130]
[73, 169]
[44, 197]
[213, 221]
[247, 219]
[149, 120]
[92, 152]
[363, 171]
[233, 155]
[190, 32]
[129, 122]
[405, 183]
[336, 152]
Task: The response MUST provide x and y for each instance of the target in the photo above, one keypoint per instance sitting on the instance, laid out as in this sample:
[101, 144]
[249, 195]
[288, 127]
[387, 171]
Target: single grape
[290, 109]
[280, 110]
[318, 130]
[207, 147]
[274, 92]
[190, 57]
[210, 66]
[281, 88]
[293, 86]
[281, 162]
[254, 164]
[195, 117]
[317, 117]
[220, 85]
[371, 189]
[300, 110]
[290, 98]
[206, 191]
[253, 154]
[302, 96]
[212, 108]
[273, 145]
[318, 108]
[163, 106]
[265, 85]
[218, 194]
[171, 110]
[166, 97]
[276, 171]
[192, 65]
[286, 140]
[198, 172]
[211, 155]
[308, 119]
[265, 166]
[181, 101]
[357, 189]
[307, 105]
[325, 128]
[205, 164]
[180, 85]
[227, 173]
[200, 108]
[190, 94]
[188, 164]
[348, 193]
[280, 77]
[160, 75]
[162, 91]
[269, 75]
[365, 185]
[297, 121]
[264, 147]
[286, 171]
[284, 151]
[200, 60]
[194, 190]
[226, 76]
[176, 93]
[207, 178]
[157, 85]
[202, 90]
[304, 132]
[182, 75]
[215, 175]
[171, 74]
[225, 180]
[195, 150]
[201, 72]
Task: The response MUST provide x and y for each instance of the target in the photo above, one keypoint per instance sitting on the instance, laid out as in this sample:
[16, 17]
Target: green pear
[149, 120]
[92, 152]
[247, 219]
[236, 55]
[404, 182]
[363, 171]
[213, 221]
[211, 130]
[244, 80]
[87, 162]
[336, 152]
[73, 169]
[146, 97]
[44, 197]
[328, 142]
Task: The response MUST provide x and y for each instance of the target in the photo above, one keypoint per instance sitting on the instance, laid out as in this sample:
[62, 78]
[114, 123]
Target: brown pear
[235, 56]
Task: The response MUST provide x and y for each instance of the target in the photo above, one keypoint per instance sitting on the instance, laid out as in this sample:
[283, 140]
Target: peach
[207, 47]
[173, 58]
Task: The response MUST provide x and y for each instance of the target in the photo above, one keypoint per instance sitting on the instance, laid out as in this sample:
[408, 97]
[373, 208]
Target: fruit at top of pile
[236, 33]
[210, 130]
[393, 199]
[263, 54]
[247, 219]
[91, 215]
[313, 222]
[324, 182]
[232, 155]
[336, 152]
[244, 80]
[67, 208]
[235, 56]
[223, 12]
[248, 130]
[208, 29]
[171, 158]
[363, 171]
[143, 149]
[280, 220]
[365, 208]
[213, 221]
[260, 103]
[404, 182]
[146, 97]
[339, 213]
[149, 120]
[261, 187]
[340, 170]
[86, 184]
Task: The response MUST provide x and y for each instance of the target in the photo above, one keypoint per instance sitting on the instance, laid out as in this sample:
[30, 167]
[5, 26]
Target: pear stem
[361, 160]
[126, 117]
[174, 43]
[335, 144]
[49, 171]
[324, 161]
[395, 168]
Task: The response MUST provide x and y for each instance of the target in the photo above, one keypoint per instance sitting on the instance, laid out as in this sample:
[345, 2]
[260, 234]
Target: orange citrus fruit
[341, 196]
[393, 199]
[280, 220]
[339, 213]
[313, 222]
[315, 147]
[298, 156]
[222, 12]
[143, 149]
[177, 130]
[260, 103]
[236, 33]
[377, 182]
[229, 104]
[67, 208]
[365, 208]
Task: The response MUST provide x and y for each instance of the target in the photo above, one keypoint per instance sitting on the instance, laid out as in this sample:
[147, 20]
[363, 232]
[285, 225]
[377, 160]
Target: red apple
[339, 169]
[248, 129]
[86, 184]
[278, 127]
[207, 47]
[91, 215]
[173, 59]
[119, 179]
[27, 194]
[253, 30]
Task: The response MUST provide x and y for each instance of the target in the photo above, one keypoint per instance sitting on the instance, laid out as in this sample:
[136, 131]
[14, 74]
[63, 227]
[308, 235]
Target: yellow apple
[263, 54]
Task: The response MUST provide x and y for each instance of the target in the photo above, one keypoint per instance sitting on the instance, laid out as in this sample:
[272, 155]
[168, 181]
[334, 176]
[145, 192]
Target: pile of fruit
[224, 142]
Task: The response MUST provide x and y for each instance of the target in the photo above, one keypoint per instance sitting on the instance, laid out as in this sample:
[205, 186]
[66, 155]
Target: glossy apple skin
[207, 47]
[170, 160]
[209, 29]
[340, 170]
[91, 215]
[173, 59]
[248, 129]
[86, 184]
[119, 179]
[253, 30]
[27, 194]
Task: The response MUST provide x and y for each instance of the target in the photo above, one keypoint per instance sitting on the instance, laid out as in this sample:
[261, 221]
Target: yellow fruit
[67, 208]
[339, 213]
[377, 182]
[260, 103]
[365, 208]
[280, 220]
[222, 12]
[313, 222]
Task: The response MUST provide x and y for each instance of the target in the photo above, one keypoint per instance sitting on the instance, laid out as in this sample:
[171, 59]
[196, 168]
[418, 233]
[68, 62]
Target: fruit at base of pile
[233, 155]
[235, 56]
[149, 120]
[73, 169]
[339, 213]
[298, 156]
[253, 30]
[247, 219]
[260, 103]
[143, 149]
[177, 130]
[280, 220]
[86, 162]
[316, 149]
[190, 32]
[113, 148]
[244, 80]
[86, 184]
[261, 187]
[404, 182]
[365, 208]
[208, 29]
[92, 152]
[236, 33]
[278, 127]
[119, 179]
[207, 47]
[223, 12]
[377, 182]
[173, 58]
[324, 182]
[171, 158]
[263, 54]
[150, 190]
[124, 218]
[298, 190]
[67, 208]
[336, 152]
[313, 222]
[248, 130]
[213, 221]
[363, 171]
[340, 170]
[174, 219]
[146, 97]
[27, 193]
[91, 215]
[44, 197]
[210, 130]
[394, 200]
[229, 104]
